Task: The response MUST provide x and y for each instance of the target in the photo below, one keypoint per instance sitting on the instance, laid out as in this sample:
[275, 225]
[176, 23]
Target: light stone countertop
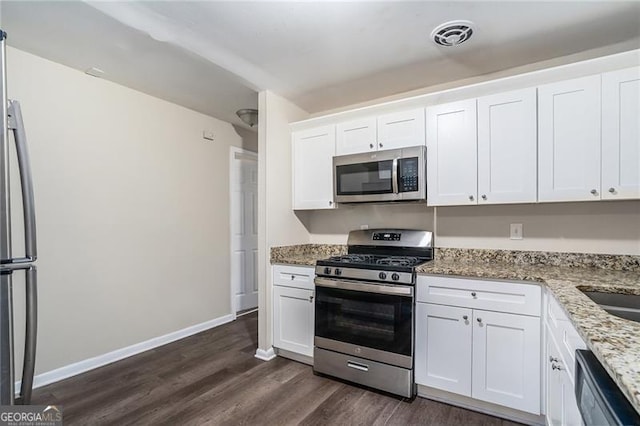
[615, 341]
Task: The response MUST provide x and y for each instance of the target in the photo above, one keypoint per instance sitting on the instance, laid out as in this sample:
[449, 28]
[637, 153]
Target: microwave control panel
[408, 174]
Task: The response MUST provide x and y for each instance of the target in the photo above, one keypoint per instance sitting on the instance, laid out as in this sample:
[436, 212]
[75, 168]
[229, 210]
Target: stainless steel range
[364, 309]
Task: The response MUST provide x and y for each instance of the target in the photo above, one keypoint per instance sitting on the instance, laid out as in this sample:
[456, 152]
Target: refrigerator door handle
[31, 333]
[31, 328]
[16, 124]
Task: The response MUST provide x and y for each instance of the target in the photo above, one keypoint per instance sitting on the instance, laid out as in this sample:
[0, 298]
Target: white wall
[132, 211]
[277, 223]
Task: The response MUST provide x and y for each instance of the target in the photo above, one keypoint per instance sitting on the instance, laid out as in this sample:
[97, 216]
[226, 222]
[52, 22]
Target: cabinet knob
[293, 277]
[479, 320]
[330, 203]
[465, 317]
[380, 145]
[473, 294]
[594, 192]
[612, 190]
[552, 359]
[371, 145]
[556, 367]
[310, 298]
[470, 197]
[484, 197]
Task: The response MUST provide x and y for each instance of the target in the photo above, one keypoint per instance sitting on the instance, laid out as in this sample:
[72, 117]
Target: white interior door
[244, 229]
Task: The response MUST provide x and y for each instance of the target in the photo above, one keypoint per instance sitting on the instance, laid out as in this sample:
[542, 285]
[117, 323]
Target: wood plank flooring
[213, 378]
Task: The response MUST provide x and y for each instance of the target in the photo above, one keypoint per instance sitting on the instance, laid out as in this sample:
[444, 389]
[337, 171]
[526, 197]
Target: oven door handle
[396, 290]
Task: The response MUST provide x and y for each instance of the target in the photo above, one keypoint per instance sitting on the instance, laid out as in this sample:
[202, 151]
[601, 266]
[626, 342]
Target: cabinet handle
[470, 197]
[465, 317]
[484, 197]
[371, 145]
[594, 192]
[380, 145]
[473, 294]
[479, 320]
[552, 359]
[612, 190]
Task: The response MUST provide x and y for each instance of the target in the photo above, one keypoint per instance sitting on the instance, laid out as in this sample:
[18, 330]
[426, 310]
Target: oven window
[365, 178]
[376, 321]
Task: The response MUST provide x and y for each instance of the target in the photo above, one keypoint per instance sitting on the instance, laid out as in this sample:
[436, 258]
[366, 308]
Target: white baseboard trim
[101, 360]
[267, 355]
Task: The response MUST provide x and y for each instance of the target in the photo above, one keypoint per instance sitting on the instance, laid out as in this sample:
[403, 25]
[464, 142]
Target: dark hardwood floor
[214, 378]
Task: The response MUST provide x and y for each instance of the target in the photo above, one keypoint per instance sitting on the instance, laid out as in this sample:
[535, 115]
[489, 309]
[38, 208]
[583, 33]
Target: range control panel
[387, 236]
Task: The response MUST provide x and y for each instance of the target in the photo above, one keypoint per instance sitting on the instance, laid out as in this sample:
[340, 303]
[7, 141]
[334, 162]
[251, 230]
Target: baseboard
[480, 406]
[101, 360]
[267, 355]
[294, 356]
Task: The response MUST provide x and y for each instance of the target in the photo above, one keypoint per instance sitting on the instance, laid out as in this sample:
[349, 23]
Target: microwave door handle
[394, 176]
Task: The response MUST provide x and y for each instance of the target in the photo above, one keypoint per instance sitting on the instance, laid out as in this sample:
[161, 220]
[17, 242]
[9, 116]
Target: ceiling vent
[452, 33]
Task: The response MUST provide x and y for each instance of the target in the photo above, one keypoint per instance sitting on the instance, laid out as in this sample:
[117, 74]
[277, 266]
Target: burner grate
[398, 261]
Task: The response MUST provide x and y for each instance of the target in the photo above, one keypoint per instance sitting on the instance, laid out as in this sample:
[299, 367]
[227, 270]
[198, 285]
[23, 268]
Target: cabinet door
[356, 136]
[452, 154]
[401, 129]
[443, 347]
[621, 134]
[506, 360]
[293, 320]
[562, 408]
[313, 152]
[507, 148]
[569, 140]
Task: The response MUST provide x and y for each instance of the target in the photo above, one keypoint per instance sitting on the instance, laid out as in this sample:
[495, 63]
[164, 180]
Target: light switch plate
[208, 135]
[516, 231]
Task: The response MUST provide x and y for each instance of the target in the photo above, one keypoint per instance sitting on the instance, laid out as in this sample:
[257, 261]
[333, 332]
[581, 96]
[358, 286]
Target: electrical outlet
[516, 231]
[208, 135]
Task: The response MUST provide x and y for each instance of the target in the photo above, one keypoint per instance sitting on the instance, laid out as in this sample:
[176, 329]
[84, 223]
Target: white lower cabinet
[479, 353]
[293, 309]
[562, 409]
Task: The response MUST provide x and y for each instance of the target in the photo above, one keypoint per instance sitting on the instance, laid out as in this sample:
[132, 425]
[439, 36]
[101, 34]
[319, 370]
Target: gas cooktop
[387, 255]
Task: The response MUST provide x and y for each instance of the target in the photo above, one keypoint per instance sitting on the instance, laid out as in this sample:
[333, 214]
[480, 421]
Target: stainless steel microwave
[391, 175]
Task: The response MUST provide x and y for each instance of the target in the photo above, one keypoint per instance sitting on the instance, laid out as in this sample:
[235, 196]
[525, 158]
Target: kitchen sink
[625, 306]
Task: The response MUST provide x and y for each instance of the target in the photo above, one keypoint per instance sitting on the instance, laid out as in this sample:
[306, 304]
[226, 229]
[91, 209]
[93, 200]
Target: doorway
[244, 229]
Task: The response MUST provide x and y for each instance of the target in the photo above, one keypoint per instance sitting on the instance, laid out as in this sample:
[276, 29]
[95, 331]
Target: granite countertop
[615, 341]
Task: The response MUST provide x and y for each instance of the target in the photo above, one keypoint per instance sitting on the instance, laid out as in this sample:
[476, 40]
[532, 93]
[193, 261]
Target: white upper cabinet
[452, 154]
[569, 140]
[401, 129]
[356, 136]
[395, 130]
[621, 134]
[507, 148]
[313, 152]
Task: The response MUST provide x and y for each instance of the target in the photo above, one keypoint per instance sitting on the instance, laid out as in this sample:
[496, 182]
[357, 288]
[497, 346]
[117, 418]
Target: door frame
[234, 152]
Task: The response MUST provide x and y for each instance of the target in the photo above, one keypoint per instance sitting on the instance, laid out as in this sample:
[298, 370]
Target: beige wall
[277, 223]
[132, 211]
[589, 227]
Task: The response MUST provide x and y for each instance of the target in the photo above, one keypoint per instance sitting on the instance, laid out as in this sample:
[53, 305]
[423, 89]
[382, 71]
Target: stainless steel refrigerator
[11, 265]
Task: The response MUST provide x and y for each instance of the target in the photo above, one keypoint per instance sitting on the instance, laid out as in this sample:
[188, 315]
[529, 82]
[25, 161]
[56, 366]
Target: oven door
[368, 320]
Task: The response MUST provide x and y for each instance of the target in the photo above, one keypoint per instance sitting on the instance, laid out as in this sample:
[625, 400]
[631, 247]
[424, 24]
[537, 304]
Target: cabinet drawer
[524, 299]
[294, 276]
[564, 333]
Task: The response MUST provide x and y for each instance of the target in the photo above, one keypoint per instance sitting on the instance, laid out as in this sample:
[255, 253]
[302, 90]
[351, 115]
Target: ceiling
[214, 56]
